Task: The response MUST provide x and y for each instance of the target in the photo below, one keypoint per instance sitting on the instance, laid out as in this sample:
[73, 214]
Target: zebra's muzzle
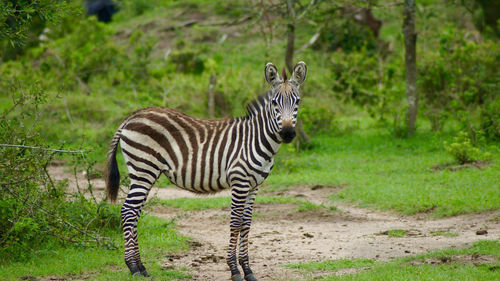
[287, 134]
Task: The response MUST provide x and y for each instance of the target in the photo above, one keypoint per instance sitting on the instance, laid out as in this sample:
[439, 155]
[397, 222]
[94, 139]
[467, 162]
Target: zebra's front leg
[238, 200]
[245, 229]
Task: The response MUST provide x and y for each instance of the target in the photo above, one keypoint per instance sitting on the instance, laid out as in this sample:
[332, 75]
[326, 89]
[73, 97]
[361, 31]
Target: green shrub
[188, 61]
[35, 209]
[368, 81]
[461, 77]
[343, 32]
[463, 151]
[490, 120]
[317, 119]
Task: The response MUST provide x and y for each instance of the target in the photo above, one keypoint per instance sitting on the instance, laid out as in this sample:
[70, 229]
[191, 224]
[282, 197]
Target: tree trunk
[211, 96]
[302, 136]
[290, 35]
[410, 65]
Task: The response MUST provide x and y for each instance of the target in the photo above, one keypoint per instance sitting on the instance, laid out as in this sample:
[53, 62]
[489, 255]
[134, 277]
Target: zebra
[205, 156]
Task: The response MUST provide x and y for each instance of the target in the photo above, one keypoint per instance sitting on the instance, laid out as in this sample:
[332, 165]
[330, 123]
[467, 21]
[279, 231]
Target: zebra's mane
[256, 104]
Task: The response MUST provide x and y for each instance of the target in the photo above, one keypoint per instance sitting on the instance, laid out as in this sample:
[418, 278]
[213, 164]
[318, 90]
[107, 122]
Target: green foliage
[490, 120]
[368, 81]
[463, 151]
[344, 33]
[21, 22]
[35, 209]
[317, 119]
[461, 78]
[188, 62]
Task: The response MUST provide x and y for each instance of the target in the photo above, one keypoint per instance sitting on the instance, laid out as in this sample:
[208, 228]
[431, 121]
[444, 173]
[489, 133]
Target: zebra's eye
[274, 103]
[298, 102]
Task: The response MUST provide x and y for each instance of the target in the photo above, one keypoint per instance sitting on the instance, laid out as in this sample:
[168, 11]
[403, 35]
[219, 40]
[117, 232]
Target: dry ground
[281, 235]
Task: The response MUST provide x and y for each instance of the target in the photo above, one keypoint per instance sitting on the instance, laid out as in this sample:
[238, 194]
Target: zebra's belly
[198, 183]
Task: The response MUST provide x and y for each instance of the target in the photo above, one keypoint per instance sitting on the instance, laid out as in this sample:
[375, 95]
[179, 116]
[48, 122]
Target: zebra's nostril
[287, 134]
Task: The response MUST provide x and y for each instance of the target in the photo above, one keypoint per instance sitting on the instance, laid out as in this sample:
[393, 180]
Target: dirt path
[281, 235]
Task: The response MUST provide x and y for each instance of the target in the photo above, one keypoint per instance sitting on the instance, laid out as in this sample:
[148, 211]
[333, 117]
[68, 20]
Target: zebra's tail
[112, 175]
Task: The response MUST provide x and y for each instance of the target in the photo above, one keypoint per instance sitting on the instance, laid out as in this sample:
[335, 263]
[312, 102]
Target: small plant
[463, 151]
[397, 233]
[444, 233]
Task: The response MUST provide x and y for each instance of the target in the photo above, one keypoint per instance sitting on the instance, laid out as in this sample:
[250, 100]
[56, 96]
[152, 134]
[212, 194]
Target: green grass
[333, 265]
[444, 233]
[156, 237]
[415, 268]
[397, 233]
[378, 170]
[195, 204]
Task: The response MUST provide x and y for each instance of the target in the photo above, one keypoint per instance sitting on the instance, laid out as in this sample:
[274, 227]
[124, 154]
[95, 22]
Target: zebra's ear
[299, 73]
[271, 74]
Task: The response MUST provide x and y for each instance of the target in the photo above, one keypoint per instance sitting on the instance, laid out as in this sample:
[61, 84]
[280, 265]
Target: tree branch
[43, 148]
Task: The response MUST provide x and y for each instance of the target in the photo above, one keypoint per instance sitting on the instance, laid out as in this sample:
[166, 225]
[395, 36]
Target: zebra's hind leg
[131, 211]
[245, 229]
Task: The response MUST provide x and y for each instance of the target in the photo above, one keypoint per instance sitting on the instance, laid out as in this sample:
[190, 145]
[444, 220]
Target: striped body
[196, 154]
[205, 156]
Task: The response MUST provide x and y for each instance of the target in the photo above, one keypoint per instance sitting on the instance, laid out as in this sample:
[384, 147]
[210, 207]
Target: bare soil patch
[474, 259]
[455, 167]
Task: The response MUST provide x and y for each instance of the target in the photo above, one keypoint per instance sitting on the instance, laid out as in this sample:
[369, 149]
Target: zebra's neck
[261, 128]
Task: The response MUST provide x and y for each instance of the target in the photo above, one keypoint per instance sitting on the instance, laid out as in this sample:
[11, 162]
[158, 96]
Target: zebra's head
[285, 99]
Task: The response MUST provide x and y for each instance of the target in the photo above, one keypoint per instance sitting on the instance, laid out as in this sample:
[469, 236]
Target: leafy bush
[343, 32]
[463, 151]
[188, 61]
[461, 78]
[368, 81]
[21, 22]
[35, 210]
[317, 119]
[490, 120]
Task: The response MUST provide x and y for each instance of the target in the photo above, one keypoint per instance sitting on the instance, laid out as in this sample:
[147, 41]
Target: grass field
[158, 238]
[397, 174]
[452, 264]
[190, 204]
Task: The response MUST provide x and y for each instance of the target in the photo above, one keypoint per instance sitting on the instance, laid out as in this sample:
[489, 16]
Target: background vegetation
[67, 81]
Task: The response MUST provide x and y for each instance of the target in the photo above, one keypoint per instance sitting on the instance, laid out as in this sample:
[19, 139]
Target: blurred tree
[486, 14]
[303, 137]
[410, 64]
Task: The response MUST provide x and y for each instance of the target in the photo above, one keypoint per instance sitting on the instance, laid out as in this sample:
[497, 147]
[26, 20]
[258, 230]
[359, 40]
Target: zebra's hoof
[137, 273]
[145, 273]
[250, 277]
[236, 277]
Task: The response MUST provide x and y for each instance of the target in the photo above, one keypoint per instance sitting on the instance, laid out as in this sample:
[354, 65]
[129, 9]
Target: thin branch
[43, 148]
[16, 182]
[67, 110]
[311, 41]
[18, 102]
[304, 12]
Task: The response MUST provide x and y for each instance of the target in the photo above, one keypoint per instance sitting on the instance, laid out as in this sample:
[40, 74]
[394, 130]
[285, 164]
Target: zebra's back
[192, 152]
